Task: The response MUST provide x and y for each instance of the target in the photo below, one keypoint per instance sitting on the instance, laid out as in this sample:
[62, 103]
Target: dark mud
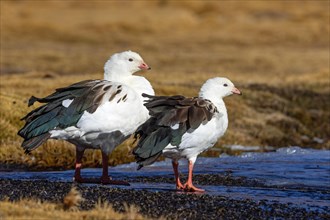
[169, 204]
[291, 183]
[202, 179]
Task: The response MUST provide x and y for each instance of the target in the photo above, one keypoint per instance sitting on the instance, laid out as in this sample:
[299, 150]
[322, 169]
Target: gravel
[171, 204]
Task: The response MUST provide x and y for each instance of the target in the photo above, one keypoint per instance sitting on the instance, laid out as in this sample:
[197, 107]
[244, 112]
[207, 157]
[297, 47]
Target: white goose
[97, 114]
[182, 127]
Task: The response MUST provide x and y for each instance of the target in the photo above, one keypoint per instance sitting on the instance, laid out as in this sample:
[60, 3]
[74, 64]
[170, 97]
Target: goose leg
[77, 176]
[189, 187]
[175, 165]
[105, 179]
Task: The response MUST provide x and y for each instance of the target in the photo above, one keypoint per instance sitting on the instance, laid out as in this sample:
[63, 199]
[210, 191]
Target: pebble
[170, 205]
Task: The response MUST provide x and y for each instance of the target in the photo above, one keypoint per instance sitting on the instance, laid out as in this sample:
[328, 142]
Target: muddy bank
[154, 204]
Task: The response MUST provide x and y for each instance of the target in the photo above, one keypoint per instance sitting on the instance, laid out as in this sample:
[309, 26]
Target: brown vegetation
[276, 52]
[36, 209]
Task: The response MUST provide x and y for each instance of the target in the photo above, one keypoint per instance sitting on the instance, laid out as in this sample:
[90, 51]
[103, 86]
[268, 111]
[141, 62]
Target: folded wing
[171, 118]
[82, 96]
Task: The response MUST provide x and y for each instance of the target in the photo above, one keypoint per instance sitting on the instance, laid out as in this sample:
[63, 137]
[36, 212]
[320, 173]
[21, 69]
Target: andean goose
[182, 127]
[97, 114]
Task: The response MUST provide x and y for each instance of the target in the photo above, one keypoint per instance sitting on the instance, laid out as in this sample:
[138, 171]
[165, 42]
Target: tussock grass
[72, 200]
[277, 53]
[69, 209]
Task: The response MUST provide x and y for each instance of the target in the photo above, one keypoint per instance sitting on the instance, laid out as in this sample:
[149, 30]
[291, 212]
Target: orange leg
[189, 187]
[179, 185]
[105, 173]
[105, 179]
[77, 176]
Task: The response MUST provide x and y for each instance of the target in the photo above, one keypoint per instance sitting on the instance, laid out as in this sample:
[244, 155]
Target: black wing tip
[139, 167]
[147, 95]
[20, 133]
[29, 144]
[27, 152]
[138, 133]
[32, 100]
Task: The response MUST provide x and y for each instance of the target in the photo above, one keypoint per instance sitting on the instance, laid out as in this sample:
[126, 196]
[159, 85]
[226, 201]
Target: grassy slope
[277, 53]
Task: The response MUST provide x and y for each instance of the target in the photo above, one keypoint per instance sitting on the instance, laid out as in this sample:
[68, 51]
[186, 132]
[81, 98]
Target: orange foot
[191, 188]
[179, 186]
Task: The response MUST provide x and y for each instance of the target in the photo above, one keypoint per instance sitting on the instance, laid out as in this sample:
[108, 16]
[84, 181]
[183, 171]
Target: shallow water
[289, 175]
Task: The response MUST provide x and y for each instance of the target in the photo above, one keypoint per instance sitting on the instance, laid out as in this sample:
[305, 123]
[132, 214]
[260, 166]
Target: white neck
[140, 85]
[114, 76]
[215, 99]
[115, 72]
[221, 118]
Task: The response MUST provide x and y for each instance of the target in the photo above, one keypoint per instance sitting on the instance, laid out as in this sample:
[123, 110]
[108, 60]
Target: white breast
[201, 139]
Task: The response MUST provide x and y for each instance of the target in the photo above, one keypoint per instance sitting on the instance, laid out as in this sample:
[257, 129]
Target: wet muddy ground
[167, 203]
[291, 183]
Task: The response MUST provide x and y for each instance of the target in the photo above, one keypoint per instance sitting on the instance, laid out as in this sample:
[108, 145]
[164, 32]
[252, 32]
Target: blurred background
[276, 52]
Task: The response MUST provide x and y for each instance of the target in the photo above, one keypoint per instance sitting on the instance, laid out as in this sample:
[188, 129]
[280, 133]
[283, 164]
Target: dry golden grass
[276, 52]
[72, 200]
[36, 209]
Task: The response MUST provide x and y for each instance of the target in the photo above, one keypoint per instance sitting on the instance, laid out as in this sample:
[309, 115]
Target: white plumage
[184, 127]
[111, 116]
[98, 114]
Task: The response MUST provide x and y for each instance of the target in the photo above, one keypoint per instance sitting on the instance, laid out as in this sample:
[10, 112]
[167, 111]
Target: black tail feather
[34, 142]
[139, 167]
[32, 100]
[147, 161]
[53, 114]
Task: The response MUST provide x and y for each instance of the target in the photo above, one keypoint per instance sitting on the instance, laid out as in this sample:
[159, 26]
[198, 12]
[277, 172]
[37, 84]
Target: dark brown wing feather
[167, 111]
[87, 96]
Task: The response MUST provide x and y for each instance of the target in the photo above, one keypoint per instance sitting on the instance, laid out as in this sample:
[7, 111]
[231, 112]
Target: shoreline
[155, 204]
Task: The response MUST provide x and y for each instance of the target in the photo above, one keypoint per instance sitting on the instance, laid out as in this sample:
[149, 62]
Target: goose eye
[130, 59]
[225, 85]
